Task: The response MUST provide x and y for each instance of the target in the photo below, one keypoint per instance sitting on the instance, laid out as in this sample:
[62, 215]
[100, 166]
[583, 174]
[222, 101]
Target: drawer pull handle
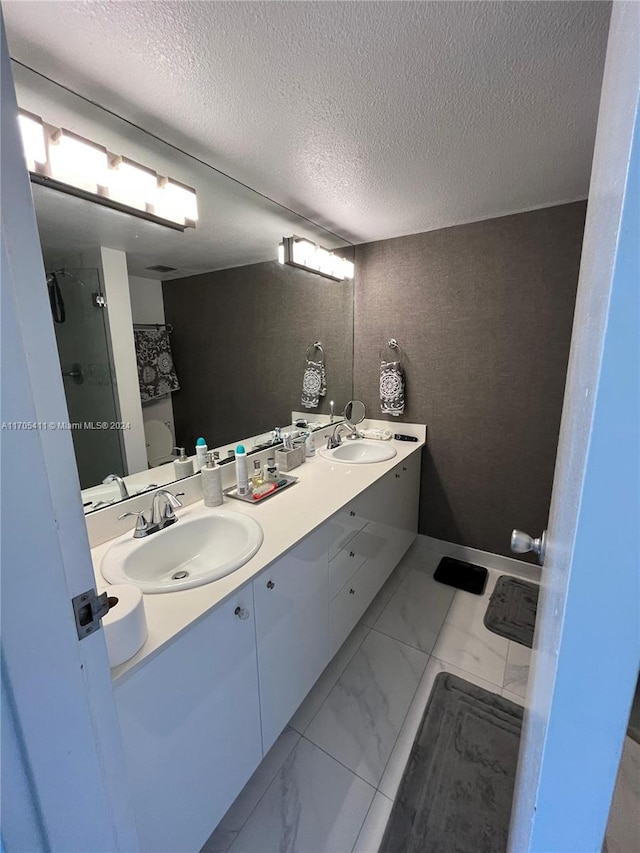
[397, 476]
[270, 584]
[403, 468]
[351, 554]
[241, 613]
[351, 513]
[352, 592]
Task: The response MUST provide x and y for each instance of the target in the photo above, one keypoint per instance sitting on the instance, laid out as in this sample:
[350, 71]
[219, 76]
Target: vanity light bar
[301, 253]
[64, 161]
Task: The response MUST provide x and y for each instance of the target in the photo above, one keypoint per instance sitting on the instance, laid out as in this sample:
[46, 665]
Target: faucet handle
[142, 525]
[172, 502]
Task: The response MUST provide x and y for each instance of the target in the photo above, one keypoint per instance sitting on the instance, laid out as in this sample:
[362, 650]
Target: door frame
[65, 752]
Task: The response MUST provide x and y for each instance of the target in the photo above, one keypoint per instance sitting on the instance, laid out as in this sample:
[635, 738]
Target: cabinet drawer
[344, 612]
[343, 566]
[342, 527]
[353, 599]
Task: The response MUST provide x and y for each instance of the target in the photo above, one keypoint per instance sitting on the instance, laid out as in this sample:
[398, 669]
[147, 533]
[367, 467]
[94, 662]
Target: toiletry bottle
[242, 477]
[211, 482]
[183, 466]
[201, 454]
[272, 470]
[256, 478]
[309, 445]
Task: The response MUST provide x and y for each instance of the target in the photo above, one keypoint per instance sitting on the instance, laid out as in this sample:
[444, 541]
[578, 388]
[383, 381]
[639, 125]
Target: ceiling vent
[161, 268]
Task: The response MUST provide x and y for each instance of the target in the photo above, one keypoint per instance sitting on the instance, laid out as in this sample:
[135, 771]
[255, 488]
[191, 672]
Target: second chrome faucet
[162, 514]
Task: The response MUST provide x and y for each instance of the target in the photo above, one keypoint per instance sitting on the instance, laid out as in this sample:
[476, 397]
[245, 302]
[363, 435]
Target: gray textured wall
[484, 314]
[239, 341]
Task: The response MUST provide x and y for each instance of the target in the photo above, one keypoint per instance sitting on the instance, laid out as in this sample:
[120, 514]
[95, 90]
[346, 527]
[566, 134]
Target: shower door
[79, 315]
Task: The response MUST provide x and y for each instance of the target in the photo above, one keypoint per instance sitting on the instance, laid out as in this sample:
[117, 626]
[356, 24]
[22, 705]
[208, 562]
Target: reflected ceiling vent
[161, 268]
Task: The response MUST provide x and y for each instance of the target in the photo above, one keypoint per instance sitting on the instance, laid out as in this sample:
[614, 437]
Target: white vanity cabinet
[190, 722]
[292, 630]
[197, 718]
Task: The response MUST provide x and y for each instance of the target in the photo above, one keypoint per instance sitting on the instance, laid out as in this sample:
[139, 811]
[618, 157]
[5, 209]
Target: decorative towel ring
[315, 346]
[392, 344]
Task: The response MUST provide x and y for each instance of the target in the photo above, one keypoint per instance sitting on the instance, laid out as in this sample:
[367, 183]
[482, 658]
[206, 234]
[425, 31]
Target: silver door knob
[522, 543]
[241, 613]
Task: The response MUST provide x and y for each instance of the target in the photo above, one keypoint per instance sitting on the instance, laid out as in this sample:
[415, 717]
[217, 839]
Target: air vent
[161, 268]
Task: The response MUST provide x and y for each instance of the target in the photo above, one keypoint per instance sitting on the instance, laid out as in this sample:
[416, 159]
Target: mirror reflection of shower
[78, 312]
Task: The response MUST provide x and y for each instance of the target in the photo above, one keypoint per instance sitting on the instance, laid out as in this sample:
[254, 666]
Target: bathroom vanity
[227, 664]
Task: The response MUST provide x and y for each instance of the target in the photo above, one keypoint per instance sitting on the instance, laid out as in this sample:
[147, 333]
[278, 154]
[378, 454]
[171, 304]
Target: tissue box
[287, 460]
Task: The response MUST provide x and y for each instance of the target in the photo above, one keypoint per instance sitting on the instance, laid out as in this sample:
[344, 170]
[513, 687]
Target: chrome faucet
[114, 478]
[334, 439]
[162, 514]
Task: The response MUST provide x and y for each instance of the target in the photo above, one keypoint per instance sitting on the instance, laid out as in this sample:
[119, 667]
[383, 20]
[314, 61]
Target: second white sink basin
[198, 548]
[360, 452]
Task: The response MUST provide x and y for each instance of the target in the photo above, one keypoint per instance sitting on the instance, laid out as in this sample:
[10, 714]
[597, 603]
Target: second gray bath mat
[456, 791]
[512, 610]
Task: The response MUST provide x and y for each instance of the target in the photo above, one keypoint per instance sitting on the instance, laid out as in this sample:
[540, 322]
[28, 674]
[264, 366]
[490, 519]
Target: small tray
[230, 492]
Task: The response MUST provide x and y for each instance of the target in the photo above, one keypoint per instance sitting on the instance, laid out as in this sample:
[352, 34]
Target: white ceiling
[375, 119]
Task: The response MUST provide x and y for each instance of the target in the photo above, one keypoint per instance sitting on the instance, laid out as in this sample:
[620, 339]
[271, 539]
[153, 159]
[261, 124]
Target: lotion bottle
[309, 445]
[183, 466]
[201, 454]
[242, 477]
[212, 482]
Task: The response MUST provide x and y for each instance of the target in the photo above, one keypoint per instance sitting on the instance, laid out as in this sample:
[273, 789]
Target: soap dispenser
[183, 466]
[212, 482]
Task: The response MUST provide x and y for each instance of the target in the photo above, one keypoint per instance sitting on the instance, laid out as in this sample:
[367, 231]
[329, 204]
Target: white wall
[147, 306]
[116, 288]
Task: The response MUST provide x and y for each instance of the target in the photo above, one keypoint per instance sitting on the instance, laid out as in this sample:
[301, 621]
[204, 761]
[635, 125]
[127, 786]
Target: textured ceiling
[374, 118]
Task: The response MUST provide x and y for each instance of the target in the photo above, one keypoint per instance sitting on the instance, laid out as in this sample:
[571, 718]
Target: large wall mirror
[175, 334]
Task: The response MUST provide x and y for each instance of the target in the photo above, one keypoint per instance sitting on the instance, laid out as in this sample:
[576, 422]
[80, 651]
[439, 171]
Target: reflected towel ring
[392, 344]
[315, 346]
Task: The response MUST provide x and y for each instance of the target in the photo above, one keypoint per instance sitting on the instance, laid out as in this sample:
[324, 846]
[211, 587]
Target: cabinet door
[292, 626]
[405, 489]
[190, 722]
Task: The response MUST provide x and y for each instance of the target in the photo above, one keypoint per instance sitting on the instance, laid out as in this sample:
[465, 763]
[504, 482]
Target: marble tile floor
[329, 781]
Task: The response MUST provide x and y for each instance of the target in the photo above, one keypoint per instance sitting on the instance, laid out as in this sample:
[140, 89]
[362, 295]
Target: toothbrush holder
[287, 460]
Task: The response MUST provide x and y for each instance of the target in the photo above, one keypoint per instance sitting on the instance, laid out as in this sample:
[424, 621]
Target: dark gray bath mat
[512, 610]
[455, 795]
[461, 575]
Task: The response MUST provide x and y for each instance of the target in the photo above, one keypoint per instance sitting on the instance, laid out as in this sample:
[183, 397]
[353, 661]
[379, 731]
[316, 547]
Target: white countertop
[323, 488]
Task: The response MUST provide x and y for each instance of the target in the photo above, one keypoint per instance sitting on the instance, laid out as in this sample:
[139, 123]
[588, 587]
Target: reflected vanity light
[33, 141]
[64, 161]
[301, 253]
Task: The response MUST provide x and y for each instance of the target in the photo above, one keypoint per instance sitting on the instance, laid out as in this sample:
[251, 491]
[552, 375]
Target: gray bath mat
[512, 610]
[455, 795]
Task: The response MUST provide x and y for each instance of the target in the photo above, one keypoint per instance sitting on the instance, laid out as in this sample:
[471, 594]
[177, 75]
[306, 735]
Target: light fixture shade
[176, 202]
[64, 161]
[78, 162]
[132, 184]
[33, 140]
[298, 252]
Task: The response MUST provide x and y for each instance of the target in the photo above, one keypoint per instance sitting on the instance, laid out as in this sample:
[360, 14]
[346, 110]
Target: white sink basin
[197, 549]
[360, 452]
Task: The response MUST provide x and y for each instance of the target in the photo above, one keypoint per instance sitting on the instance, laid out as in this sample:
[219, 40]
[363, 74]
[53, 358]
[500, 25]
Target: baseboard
[486, 559]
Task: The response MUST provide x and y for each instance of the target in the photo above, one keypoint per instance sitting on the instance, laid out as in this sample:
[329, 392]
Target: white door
[64, 753]
[586, 646]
